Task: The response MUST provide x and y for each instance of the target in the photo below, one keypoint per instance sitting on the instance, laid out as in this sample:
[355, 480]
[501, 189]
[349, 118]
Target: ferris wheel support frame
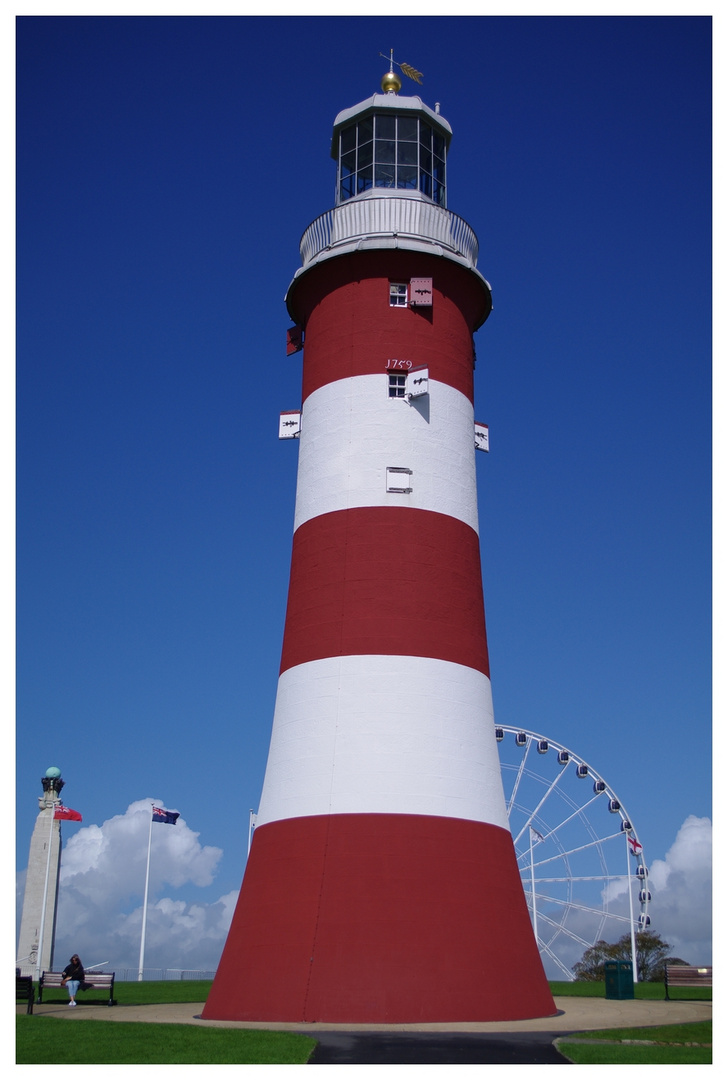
[524, 740]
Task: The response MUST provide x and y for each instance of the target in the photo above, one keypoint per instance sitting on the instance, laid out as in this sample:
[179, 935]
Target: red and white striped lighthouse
[382, 884]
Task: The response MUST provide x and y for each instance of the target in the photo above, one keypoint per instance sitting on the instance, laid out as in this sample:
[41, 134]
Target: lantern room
[391, 143]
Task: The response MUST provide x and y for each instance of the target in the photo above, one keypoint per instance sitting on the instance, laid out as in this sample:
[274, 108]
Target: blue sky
[166, 170]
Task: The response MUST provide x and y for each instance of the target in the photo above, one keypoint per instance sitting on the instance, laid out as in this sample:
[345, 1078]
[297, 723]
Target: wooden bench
[51, 980]
[684, 975]
[24, 990]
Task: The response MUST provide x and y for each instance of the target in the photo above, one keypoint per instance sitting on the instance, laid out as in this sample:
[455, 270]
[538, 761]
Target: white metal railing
[165, 974]
[389, 216]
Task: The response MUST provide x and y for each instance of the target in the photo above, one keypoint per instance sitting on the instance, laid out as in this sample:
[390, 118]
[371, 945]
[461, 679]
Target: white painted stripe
[352, 431]
[383, 735]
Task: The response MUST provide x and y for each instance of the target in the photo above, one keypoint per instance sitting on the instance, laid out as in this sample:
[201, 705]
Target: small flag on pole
[634, 845]
[165, 817]
[65, 813]
[294, 340]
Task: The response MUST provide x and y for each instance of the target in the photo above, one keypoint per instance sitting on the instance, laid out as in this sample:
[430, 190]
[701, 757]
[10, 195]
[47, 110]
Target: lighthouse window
[397, 295]
[397, 385]
[400, 152]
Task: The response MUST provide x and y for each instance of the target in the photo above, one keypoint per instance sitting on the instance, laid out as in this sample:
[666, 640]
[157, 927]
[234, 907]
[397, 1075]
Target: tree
[652, 954]
[591, 966]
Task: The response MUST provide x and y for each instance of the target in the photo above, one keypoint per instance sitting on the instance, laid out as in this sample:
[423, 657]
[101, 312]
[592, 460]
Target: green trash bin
[619, 980]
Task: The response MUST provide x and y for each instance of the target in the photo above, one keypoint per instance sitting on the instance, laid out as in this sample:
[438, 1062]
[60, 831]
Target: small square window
[397, 294]
[397, 385]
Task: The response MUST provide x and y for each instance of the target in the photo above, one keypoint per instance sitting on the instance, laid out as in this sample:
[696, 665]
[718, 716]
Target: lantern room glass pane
[385, 127]
[366, 129]
[384, 175]
[384, 151]
[407, 129]
[407, 153]
[407, 176]
[348, 139]
[365, 154]
[364, 180]
[348, 163]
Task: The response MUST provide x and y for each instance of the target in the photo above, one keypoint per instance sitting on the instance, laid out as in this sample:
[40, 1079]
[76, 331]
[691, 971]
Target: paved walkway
[574, 1014]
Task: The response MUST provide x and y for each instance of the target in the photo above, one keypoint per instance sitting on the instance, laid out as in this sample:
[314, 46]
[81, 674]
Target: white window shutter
[290, 425]
[481, 436]
[417, 382]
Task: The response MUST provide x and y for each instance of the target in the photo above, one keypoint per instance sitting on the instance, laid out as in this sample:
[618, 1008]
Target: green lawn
[642, 991]
[672, 1044]
[48, 1040]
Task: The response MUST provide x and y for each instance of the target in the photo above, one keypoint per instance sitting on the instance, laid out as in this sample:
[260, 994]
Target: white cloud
[681, 887]
[114, 855]
[103, 871]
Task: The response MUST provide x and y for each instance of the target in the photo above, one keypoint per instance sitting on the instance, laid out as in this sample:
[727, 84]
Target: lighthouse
[382, 885]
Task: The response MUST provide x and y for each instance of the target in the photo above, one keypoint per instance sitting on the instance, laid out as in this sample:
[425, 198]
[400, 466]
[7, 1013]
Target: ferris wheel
[580, 859]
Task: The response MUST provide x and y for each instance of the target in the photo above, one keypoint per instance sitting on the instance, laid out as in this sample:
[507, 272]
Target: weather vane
[406, 69]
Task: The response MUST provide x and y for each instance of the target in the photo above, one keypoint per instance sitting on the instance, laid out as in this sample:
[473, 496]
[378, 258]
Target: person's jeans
[72, 986]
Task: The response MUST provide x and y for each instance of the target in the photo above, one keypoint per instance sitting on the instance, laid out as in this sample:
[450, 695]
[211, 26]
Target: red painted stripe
[391, 581]
[375, 918]
[352, 330]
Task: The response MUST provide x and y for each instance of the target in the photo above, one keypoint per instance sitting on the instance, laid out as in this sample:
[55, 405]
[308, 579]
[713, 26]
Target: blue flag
[165, 816]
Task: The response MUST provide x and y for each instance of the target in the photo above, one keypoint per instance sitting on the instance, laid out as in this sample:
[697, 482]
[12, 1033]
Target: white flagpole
[631, 912]
[45, 894]
[146, 897]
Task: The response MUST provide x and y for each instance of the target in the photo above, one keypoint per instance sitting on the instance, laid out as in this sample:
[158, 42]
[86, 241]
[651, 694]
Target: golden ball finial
[391, 83]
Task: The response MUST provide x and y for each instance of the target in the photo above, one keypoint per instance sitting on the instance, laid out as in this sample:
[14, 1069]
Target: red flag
[634, 844]
[294, 340]
[64, 813]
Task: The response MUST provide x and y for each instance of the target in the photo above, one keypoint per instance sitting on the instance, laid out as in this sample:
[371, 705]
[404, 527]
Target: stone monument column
[38, 927]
